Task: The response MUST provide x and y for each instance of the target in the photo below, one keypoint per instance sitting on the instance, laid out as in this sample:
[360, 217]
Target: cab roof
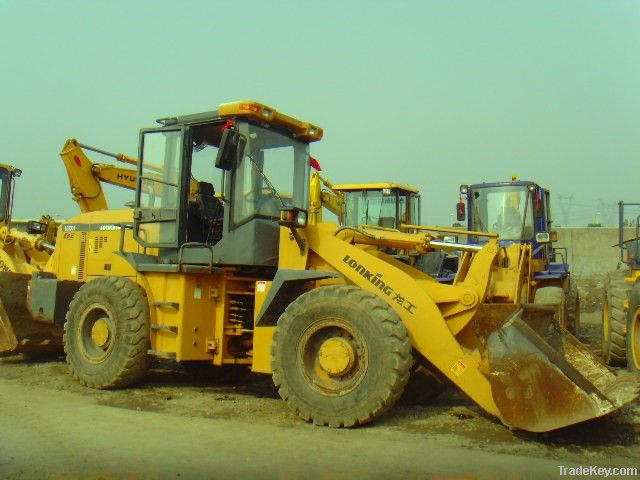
[515, 183]
[256, 112]
[347, 187]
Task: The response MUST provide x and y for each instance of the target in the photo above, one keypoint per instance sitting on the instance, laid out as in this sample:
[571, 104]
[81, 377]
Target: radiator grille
[83, 256]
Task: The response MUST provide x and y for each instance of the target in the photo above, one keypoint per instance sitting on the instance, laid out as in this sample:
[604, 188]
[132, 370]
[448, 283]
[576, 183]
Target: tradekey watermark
[592, 470]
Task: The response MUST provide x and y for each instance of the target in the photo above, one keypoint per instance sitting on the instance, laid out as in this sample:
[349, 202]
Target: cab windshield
[503, 210]
[376, 207]
[273, 173]
[5, 179]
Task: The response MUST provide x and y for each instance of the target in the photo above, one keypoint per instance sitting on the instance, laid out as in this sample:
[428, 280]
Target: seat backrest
[387, 222]
[209, 205]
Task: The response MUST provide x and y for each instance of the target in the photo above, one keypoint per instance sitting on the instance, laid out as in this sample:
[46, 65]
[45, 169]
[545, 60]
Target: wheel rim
[332, 357]
[96, 333]
[633, 336]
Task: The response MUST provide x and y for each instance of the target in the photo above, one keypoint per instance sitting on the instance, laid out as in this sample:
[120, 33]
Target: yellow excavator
[255, 278]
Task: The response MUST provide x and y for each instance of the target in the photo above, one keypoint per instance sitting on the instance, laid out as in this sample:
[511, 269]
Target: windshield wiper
[255, 164]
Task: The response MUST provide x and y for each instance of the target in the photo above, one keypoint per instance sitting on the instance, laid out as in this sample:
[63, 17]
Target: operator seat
[210, 211]
[387, 222]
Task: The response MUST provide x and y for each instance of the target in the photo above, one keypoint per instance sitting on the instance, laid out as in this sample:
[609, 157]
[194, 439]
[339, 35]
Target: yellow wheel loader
[621, 306]
[21, 254]
[257, 280]
[395, 206]
[520, 212]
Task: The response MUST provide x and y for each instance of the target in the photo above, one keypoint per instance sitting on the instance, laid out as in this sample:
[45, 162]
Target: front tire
[614, 321]
[573, 311]
[341, 356]
[106, 333]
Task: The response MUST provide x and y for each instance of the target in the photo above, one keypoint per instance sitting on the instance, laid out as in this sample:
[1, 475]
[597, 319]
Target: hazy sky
[430, 93]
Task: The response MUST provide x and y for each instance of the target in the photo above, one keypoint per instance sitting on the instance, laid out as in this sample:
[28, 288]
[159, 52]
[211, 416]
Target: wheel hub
[100, 334]
[336, 356]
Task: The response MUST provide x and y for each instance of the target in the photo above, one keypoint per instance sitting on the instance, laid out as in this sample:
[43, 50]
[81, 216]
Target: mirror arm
[302, 244]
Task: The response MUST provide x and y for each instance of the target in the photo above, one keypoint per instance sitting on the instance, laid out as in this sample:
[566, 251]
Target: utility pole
[566, 203]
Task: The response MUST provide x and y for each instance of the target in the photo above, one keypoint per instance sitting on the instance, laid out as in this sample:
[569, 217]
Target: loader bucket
[542, 378]
[19, 333]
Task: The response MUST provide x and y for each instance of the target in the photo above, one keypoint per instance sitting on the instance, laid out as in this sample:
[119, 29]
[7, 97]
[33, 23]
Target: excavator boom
[85, 177]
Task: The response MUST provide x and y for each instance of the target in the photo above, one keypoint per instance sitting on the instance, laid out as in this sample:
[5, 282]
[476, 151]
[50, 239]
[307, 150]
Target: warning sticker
[261, 286]
[458, 368]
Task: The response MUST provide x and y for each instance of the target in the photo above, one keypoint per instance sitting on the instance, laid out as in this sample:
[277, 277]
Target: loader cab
[387, 205]
[195, 212]
[518, 211]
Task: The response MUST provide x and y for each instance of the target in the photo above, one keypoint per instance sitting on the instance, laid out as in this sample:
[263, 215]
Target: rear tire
[573, 311]
[633, 330]
[614, 319]
[106, 335]
[341, 356]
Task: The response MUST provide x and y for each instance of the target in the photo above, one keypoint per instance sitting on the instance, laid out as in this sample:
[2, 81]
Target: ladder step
[166, 328]
[156, 353]
[174, 305]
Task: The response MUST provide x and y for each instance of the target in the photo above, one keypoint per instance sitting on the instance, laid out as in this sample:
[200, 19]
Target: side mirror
[231, 148]
[461, 213]
[547, 237]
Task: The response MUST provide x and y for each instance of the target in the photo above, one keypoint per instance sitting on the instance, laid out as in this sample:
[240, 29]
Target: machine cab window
[5, 193]
[504, 210]
[262, 181]
[387, 207]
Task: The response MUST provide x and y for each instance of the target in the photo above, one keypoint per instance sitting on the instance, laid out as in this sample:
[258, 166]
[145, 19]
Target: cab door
[160, 183]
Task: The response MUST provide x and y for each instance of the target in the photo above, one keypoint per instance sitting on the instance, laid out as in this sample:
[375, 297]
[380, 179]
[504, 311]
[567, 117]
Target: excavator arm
[85, 177]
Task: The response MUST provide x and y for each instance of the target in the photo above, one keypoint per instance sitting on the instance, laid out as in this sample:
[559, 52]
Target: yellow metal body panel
[262, 340]
[86, 244]
[199, 316]
[184, 313]
[262, 336]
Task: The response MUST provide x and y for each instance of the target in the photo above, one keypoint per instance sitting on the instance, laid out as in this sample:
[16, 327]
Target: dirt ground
[469, 442]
